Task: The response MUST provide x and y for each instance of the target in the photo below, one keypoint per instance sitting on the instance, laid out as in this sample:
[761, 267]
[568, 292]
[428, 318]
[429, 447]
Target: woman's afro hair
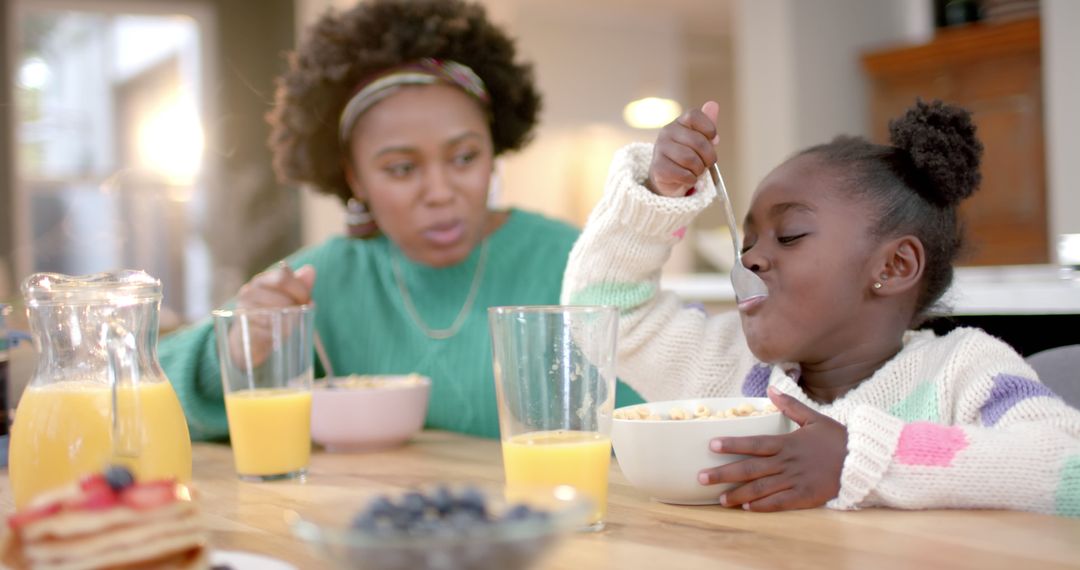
[343, 49]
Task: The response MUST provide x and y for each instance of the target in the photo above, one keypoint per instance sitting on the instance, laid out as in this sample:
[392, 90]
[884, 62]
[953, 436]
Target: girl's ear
[901, 268]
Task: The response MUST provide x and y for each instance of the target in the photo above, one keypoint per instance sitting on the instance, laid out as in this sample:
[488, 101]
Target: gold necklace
[463, 314]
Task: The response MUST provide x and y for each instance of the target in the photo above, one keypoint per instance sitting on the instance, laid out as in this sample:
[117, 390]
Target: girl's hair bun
[941, 141]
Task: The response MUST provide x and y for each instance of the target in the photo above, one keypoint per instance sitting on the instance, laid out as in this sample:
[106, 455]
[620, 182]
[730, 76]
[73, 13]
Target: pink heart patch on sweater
[925, 443]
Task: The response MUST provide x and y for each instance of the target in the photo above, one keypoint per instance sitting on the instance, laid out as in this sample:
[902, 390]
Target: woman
[399, 108]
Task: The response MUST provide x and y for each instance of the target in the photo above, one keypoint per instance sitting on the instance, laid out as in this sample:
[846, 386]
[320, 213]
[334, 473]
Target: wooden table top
[640, 533]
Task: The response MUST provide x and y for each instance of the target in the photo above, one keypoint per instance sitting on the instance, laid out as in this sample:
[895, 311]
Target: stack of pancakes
[153, 525]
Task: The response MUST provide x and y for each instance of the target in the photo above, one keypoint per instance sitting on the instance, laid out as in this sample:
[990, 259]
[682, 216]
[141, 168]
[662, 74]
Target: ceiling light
[651, 112]
[34, 73]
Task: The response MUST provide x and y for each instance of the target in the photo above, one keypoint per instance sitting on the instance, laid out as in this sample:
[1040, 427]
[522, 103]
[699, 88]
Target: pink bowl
[364, 413]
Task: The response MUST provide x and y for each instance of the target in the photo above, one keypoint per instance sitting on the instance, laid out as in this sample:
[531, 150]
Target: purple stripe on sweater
[697, 307]
[1008, 391]
[757, 380]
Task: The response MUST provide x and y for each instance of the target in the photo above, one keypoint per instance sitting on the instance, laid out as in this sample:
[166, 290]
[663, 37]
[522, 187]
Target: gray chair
[1059, 369]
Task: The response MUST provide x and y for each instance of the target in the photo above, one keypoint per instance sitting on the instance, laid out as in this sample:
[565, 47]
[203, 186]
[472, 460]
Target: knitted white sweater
[954, 421]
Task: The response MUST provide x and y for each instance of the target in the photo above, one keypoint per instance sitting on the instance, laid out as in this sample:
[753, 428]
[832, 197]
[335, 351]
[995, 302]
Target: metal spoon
[320, 350]
[746, 283]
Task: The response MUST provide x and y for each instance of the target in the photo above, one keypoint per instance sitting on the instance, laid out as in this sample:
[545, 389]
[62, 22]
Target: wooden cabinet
[995, 71]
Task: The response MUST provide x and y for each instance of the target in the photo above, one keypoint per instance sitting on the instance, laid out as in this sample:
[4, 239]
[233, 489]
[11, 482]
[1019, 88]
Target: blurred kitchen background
[132, 131]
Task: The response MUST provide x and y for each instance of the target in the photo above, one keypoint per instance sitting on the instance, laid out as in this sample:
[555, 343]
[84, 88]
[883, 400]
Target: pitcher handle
[126, 427]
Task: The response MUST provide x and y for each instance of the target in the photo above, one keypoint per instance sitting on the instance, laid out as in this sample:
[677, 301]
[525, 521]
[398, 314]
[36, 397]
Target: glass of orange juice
[555, 384]
[266, 373]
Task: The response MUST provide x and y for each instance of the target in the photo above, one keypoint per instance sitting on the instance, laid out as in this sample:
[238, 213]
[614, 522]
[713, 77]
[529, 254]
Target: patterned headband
[423, 72]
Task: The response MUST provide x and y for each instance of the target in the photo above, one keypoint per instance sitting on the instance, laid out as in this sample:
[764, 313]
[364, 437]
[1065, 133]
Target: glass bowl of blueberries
[443, 527]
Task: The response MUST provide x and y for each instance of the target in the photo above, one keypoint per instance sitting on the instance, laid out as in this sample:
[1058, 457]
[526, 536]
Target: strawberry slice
[151, 495]
[96, 494]
[93, 483]
[95, 499]
[21, 519]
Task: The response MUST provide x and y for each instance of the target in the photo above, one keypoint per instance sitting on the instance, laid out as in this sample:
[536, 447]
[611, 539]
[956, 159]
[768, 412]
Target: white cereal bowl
[663, 457]
[366, 413]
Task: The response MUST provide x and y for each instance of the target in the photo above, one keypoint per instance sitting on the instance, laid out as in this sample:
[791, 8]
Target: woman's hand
[799, 470]
[683, 150]
[278, 287]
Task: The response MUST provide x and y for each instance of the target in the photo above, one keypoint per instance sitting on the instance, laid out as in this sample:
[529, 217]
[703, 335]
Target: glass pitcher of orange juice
[98, 395]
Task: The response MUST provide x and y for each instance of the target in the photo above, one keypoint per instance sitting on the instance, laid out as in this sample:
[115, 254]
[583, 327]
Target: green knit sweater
[361, 317]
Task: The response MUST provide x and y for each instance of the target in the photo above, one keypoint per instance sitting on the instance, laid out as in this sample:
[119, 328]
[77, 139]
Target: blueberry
[401, 519]
[119, 478]
[366, 522]
[415, 504]
[443, 500]
[472, 500]
[381, 506]
[518, 513]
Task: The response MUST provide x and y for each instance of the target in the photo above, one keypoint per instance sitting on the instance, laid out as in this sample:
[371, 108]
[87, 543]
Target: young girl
[855, 242]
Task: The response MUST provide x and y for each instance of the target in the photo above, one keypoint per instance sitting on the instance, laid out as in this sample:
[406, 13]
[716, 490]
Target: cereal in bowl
[361, 381]
[699, 412]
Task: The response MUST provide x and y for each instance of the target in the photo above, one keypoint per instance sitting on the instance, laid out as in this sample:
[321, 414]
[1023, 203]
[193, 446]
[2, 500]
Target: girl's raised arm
[667, 349]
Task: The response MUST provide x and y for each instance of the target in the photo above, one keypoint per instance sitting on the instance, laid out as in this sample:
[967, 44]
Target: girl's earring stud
[877, 285]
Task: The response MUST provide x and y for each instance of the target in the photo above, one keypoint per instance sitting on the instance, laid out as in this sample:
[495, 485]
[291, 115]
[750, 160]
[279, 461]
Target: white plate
[237, 560]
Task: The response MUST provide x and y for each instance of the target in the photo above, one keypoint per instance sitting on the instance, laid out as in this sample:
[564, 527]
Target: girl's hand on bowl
[798, 470]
